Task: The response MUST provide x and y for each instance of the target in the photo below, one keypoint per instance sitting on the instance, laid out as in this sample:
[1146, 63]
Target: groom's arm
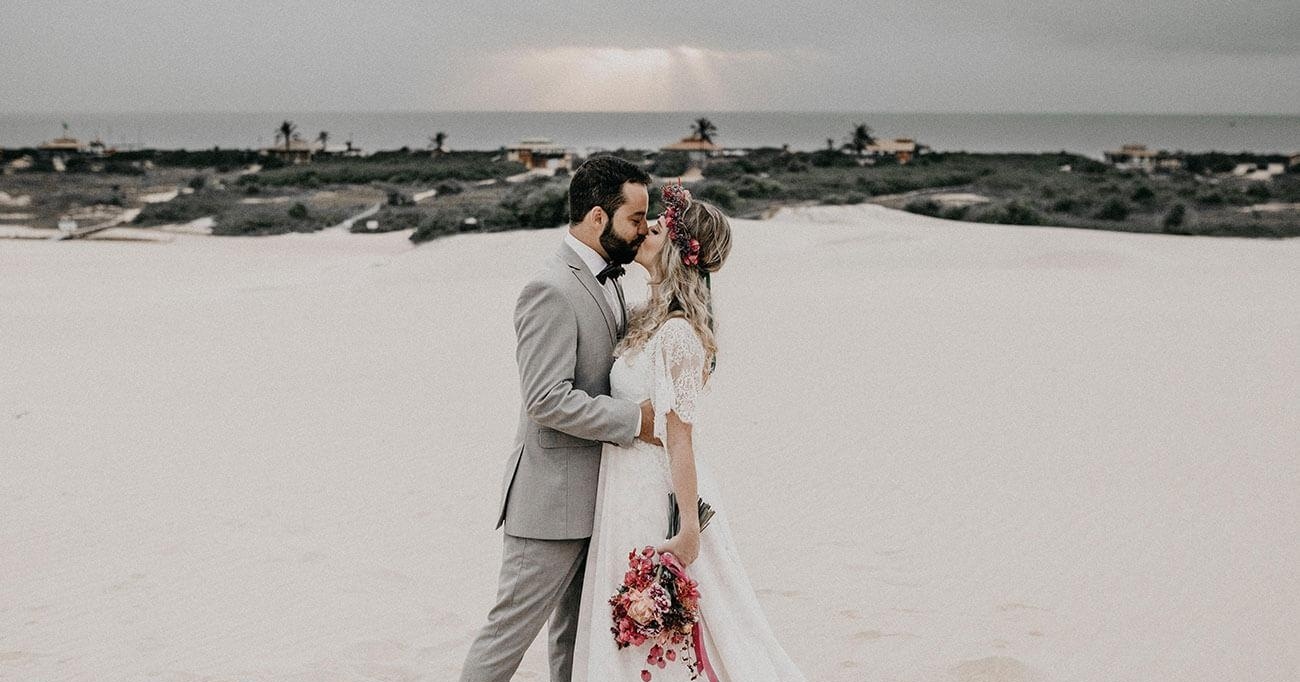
[546, 329]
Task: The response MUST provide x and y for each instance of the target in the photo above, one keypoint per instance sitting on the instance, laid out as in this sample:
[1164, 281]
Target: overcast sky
[1156, 56]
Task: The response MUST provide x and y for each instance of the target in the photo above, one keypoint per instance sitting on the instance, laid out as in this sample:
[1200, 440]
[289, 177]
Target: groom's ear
[597, 216]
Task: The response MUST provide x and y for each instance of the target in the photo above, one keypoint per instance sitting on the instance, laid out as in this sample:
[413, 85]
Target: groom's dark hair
[599, 182]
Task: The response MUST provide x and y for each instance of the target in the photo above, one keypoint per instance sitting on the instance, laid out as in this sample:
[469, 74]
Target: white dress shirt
[595, 263]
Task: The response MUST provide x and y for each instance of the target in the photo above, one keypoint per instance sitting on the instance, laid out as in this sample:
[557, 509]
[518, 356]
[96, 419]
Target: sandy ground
[951, 451]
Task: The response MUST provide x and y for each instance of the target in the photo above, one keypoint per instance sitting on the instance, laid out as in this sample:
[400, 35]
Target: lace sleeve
[678, 358]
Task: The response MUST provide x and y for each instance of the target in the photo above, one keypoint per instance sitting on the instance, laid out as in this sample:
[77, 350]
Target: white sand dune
[951, 451]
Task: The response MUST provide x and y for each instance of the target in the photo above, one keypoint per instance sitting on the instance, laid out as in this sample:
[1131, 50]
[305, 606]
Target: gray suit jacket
[566, 333]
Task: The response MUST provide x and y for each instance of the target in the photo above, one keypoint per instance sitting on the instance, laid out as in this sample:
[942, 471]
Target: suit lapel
[588, 280]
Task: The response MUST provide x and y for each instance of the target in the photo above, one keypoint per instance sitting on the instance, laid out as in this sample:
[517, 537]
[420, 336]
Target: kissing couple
[604, 450]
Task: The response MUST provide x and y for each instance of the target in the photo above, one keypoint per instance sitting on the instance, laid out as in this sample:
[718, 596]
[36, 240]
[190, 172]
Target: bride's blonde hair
[682, 290]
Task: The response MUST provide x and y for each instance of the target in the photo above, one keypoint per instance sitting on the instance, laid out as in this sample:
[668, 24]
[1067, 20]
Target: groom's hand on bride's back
[648, 424]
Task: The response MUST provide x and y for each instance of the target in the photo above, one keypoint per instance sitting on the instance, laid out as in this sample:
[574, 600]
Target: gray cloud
[978, 55]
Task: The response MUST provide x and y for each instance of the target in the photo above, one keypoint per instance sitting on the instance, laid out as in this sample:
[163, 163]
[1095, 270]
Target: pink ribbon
[701, 656]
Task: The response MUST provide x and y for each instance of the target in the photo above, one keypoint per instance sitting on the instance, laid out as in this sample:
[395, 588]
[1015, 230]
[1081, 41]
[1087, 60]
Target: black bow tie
[611, 271]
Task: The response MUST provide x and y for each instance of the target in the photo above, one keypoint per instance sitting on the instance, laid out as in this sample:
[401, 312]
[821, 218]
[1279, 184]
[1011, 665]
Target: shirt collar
[588, 255]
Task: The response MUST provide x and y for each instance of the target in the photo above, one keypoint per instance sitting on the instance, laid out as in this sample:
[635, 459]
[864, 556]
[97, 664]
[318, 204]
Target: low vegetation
[468, 192]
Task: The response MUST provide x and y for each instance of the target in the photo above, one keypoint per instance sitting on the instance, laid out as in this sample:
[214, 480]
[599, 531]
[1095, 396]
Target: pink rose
[641, 606]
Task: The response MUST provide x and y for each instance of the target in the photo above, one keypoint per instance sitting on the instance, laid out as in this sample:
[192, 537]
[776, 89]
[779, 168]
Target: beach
[949, 451]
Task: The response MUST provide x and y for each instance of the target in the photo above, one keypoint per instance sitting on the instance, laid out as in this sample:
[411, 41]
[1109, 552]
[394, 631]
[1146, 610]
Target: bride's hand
[684, 545]
[648, 424]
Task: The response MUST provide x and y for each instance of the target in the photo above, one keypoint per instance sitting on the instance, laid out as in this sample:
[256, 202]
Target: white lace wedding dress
[632, 512]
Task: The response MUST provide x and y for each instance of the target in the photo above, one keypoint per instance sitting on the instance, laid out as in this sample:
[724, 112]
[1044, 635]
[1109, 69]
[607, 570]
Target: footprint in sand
[873, 635]
[14, 655]
[850, 614]
[993, 669]
[1015, 606]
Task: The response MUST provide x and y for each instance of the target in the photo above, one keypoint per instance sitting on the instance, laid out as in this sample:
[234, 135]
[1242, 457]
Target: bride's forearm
[681, 465]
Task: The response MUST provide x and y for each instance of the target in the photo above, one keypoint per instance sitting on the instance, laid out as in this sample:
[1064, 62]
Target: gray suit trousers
[539, 578]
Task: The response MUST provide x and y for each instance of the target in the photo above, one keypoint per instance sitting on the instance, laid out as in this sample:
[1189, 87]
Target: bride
[666, 357]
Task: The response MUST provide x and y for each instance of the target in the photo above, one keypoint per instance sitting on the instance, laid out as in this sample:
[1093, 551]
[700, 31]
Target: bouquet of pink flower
[659, 604]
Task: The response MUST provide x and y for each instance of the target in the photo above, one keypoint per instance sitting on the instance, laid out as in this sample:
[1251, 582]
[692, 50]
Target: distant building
[299, 151]
[1133, 156]
[901, 149]
[67, 145]
[1139, 157]
[346, 150]
[540, 153]
[698, 150]
[1294, 161]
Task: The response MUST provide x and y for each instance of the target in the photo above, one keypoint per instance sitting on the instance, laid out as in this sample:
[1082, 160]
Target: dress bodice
[668, 371]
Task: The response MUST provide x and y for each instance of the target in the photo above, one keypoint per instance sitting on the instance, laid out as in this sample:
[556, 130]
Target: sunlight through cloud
[620, 79]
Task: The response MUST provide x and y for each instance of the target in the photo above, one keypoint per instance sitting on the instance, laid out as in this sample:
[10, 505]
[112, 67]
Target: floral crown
[676, 199]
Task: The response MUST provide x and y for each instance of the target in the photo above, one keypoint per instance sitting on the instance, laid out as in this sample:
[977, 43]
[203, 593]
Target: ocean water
[1089, 134]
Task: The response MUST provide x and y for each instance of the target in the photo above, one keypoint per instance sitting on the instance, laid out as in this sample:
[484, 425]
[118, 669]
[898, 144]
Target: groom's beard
[620, 250]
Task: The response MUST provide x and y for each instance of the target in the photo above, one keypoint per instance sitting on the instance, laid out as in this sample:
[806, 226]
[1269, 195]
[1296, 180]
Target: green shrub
[184, 208]
[253, 221]
[928, 207]
[1011, 213]
[670, 164]
[448, 188]
[541, 206]
[1143, 194]
[1114, 209]
[832, 158]
[846, 198]
[1211, 199]
[955, 212]
[753, 187]
[1212, 162]
[1174, 219]
[446, 220]
[1259, 191]
[718, 194]
[1067, 204]
[728, 170]
[392, 167]
[298, 211]
[795, 164]
[392, 219]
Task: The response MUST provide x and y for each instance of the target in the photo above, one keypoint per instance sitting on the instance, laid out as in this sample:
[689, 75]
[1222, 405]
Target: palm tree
[286, 131]
[703, 129]
[323, 138]
[861, 139]
[438, 139]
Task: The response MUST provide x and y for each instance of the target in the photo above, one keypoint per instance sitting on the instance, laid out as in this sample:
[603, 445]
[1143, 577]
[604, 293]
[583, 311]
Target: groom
[568, 320]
